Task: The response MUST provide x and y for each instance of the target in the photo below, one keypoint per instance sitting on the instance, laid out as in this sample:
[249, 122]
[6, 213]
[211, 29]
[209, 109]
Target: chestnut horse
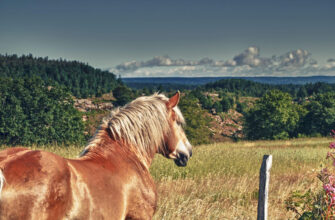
[110, 179]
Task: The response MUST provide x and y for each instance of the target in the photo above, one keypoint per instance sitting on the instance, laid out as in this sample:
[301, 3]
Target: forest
[81, 79]
[37, 96]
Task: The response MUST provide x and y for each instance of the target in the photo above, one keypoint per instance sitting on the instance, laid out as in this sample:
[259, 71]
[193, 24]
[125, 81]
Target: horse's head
[177, 146]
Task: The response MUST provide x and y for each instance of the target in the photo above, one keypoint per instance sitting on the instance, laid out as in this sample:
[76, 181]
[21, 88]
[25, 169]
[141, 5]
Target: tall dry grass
[221, 180]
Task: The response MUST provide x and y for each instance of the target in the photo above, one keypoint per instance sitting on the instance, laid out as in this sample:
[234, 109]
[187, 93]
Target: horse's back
[43, 185]
[36, 185]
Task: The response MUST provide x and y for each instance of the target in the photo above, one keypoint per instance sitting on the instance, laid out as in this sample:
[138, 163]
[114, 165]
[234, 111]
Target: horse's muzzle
[181, 160]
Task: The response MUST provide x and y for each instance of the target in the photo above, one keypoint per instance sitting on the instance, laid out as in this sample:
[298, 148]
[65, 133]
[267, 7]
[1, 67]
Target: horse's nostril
[181, 160]
[182, 157]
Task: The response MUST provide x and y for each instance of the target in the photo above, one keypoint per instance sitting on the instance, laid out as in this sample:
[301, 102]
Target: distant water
[194, 81]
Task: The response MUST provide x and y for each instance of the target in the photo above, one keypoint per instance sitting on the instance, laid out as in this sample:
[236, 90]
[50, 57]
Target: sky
[177, 38]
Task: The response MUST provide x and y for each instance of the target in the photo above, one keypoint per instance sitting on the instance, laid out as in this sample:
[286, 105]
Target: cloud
[330, 65]
[206, 61]
[249, 57]
[128, 66]
[167, 61]
[295, 58]
[156, 61]
[248, 63]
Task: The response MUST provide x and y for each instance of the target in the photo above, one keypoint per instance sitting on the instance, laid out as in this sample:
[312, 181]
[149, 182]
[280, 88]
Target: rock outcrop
[85, 105]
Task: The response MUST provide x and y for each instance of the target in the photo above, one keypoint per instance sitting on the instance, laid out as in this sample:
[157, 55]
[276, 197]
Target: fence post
[264, 179]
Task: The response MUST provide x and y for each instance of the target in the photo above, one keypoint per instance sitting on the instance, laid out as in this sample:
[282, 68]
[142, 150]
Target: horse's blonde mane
[142, 124]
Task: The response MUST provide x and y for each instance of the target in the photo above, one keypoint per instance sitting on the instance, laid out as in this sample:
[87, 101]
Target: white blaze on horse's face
[183, 149]
[179, 148]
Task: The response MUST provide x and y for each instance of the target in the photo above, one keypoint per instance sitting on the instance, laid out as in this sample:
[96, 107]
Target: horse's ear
[173, 101]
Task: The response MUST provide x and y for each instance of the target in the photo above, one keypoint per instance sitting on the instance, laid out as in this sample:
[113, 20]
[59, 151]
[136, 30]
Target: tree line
[276, 116]
[245, 87]
[81, 79]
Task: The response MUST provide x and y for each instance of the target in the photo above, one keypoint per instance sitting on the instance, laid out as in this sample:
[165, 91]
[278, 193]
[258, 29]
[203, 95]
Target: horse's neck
[104, 148]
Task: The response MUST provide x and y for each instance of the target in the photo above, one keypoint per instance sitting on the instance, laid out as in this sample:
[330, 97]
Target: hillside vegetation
[232, 109]
[33, 112]
[81, 79]
[275, 115]
[221, 180]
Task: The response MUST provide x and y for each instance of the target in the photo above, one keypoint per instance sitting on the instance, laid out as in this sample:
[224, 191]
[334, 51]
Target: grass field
[221, 180]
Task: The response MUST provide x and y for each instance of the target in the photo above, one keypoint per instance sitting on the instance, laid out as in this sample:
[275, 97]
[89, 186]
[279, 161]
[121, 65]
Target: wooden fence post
[264, 179]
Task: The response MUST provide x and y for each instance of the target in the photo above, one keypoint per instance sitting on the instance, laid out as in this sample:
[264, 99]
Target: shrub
[241, 107]
[197, 123]
[306, 205]
[123, 95]
[274, 116]
[227, 103]
[319, 205]
[218, 107]
[31, 112]
[321, 115]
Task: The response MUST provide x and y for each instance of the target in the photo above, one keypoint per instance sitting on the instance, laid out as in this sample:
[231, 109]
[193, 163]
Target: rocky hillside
[101, 103]
[226, 126]
[94, 110]
[85, 105]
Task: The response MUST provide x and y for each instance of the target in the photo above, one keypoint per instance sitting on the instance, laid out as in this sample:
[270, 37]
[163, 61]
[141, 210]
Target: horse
[110, 179]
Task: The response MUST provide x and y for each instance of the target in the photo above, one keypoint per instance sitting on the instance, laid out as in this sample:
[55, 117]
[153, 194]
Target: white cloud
[248, 63]
[156, 61]
[330, 65]
[249, 57]
[295, 58]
